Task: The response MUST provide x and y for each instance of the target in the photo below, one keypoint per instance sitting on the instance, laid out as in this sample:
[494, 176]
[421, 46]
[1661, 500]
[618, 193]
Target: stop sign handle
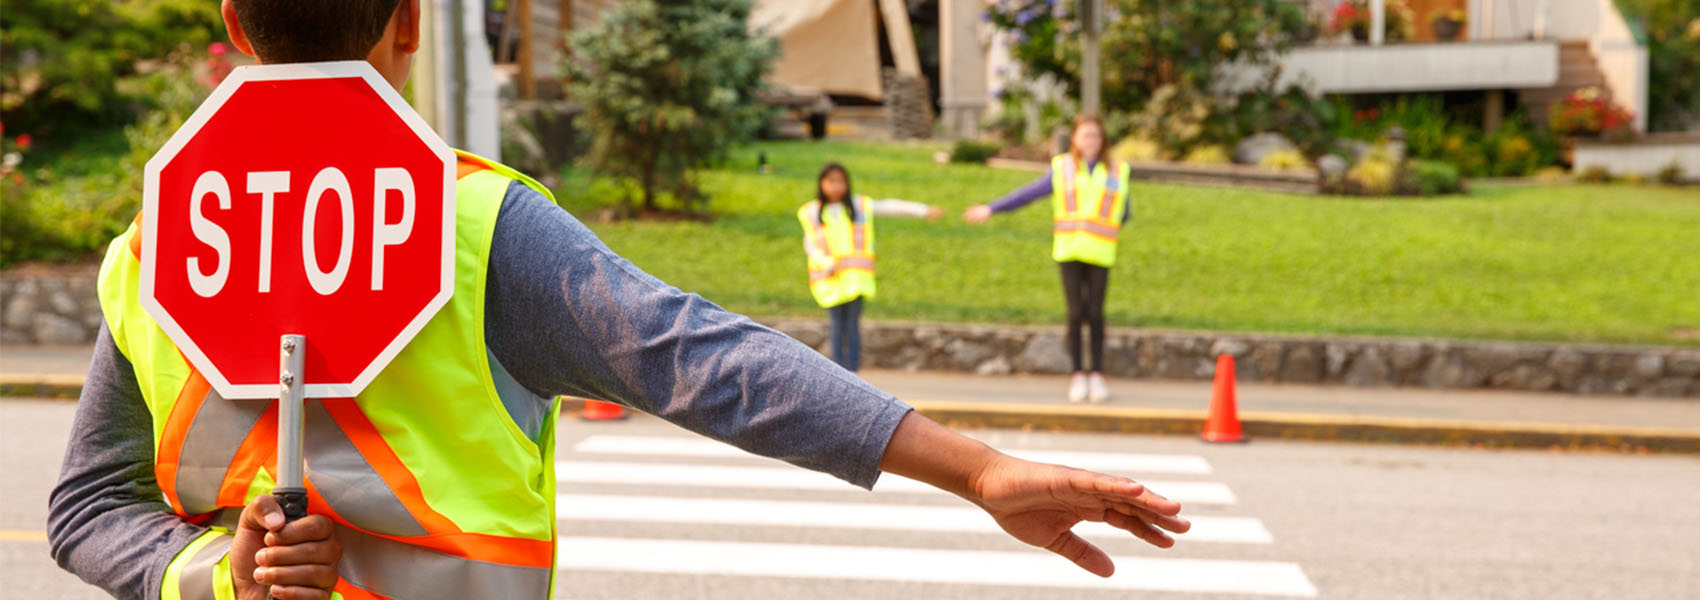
[291, 494]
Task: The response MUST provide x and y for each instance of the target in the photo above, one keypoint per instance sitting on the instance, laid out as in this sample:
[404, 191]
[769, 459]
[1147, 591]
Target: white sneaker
[1096, 391]
[1077, 388]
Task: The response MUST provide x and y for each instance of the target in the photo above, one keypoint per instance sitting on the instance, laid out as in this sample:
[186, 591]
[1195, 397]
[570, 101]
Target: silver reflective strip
[210, 445]
[347, 482]
[403, 571]
[195, 581]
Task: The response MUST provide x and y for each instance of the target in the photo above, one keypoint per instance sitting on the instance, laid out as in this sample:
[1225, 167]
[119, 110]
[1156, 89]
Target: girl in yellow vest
[1089, 204]
[838, 237]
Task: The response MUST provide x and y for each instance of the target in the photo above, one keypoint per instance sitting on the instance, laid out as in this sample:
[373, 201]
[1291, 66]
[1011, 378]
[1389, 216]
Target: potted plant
[1353, 16]
[1448, 24]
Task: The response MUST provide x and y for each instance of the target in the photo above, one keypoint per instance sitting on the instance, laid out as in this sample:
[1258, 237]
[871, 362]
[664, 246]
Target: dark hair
[286, 31]
[820, 195]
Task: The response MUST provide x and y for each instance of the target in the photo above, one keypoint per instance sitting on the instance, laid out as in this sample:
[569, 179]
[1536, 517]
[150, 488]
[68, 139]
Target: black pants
[847, 334]
[1083, 291]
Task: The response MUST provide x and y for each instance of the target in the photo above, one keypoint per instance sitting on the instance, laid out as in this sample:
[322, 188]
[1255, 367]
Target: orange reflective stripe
[467, 167]
[136, 240]
[365, 437]
[176, 429]
[1105, 203]
[258, 450]
[349, 592]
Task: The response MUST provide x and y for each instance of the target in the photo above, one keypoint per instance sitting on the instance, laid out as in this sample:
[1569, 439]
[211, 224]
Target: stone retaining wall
[58, 307]
[49, 306]
[1357, 361]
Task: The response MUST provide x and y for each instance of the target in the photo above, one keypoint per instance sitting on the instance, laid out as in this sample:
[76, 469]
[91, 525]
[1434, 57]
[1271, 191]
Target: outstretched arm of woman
[1025, 195]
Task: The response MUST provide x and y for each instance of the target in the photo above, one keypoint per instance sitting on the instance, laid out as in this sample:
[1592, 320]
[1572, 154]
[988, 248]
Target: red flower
[23, 141]
[216, 48]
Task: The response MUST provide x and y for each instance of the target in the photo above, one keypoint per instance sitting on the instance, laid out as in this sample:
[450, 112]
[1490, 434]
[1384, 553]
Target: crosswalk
[718, 492]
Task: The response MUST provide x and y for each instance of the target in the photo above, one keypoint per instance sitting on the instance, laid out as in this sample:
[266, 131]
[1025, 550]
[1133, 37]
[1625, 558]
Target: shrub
[1136, 148]
[1147, 44]
[970, 151]
[70, 209]
[1285, 159]
[1594, 174]
[1432, 178]
[1176, 119]
[1587, 112]
[1671, 174]
[1550, 175]
[667, 87]
[1376, 173]
[66, 60]
[1213, 154]
[1672, 29]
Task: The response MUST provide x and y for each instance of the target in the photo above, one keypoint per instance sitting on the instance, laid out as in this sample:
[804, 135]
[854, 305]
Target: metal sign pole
[291, 492]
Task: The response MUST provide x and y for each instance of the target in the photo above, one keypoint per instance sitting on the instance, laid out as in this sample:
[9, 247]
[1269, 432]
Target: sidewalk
[1489, 418]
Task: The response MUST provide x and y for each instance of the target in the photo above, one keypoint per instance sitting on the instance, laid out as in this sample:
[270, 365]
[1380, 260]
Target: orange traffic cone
[597, 410]
[1223, 425]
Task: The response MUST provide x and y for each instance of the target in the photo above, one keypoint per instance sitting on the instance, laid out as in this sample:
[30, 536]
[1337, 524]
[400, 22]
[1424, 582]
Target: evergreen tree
[666, 87]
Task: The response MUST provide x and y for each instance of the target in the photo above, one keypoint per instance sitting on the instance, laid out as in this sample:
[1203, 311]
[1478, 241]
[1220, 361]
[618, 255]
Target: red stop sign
[300, 199]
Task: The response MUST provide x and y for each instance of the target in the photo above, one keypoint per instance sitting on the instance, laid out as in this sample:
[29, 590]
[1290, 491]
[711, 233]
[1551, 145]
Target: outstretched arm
[893, 207]
[1036, 503]
[1027, 194]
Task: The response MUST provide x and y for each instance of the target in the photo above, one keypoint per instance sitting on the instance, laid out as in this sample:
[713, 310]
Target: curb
[1329, 428]
[62, 387]
[1106, 419]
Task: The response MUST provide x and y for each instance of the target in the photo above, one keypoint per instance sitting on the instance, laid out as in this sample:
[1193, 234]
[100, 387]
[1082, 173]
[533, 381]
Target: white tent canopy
[828, 46]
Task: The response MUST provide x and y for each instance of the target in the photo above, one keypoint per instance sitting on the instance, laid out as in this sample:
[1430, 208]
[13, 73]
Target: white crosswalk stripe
[935, 566]
[723, 476]
[653, 473]
[632, 445]
[855, 515]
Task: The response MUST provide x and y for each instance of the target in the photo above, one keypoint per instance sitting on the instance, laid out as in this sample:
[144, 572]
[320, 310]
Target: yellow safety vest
[841, 252]
[1087, 208]
[435, 491]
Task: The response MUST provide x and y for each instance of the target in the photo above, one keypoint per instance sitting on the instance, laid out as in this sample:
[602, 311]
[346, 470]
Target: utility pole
[1091, 21]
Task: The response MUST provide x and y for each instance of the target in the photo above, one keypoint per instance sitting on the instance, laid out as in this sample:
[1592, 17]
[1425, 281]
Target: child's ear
[238, 37]
[406, 26]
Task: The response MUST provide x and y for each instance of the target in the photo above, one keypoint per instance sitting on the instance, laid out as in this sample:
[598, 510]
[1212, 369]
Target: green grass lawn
[1568, 263]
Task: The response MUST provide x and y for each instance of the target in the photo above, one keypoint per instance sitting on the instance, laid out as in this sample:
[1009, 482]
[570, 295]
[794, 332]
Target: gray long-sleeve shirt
[564, 315]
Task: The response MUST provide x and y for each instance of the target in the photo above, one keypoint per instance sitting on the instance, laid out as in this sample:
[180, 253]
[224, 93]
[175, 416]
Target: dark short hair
[286, 31]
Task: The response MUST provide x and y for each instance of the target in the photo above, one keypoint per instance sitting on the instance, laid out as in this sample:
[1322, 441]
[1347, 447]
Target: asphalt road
[651, 511]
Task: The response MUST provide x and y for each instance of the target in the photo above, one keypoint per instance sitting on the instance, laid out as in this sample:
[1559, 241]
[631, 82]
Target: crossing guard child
[838, 237]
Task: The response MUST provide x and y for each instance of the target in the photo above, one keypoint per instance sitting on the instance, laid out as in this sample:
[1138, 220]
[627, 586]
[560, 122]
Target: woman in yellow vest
[838, 237]
[1089, 204]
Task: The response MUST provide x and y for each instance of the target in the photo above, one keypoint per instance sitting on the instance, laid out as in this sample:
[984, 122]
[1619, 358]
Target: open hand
[295, 561]
[977, 214]
[1039, 503]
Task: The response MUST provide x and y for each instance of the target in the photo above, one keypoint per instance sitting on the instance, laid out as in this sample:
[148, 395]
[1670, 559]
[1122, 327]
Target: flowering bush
[1147, 44]
[1587, 112]
[67, 204]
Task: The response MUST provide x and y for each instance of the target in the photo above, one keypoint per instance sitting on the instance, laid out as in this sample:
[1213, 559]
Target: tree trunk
[648, 181]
